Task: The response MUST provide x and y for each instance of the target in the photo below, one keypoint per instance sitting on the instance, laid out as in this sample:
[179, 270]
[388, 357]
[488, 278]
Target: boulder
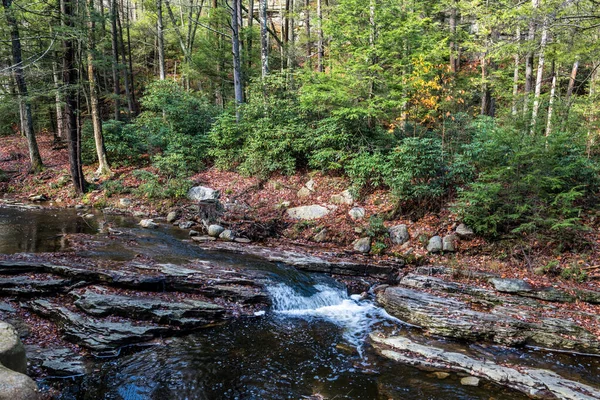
[215, 230]
[242, 240]
[321, 236]
[57, 361]
[202, 239]
[186, 224]
[310, 185]
[464, 232]
[201, 193]
[227, 235]
[139, 214]
[303, 192]
[194, 233]
[172, 216]
[314, 211]
[449, 243]
[435, 245]
[399, 234]
[125, 202]
[469, 381]
[363, 245]
[356, 213]
[39, 197]
[148, 223]
[16, 386]
[12, 352]
[342, 198]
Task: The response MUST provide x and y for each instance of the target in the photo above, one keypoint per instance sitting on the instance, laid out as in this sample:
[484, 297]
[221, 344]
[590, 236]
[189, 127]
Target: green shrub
[155, 187]
[527, 183]
[123, 143]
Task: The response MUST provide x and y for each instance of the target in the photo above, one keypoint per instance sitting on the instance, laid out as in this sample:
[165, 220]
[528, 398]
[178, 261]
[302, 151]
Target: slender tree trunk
[484, 86]
[452, 44]
[125, 69]
[60, 119]
[103, 167]
[19, 75]
[264, 38]
[71, 109]
[237, 64]
[540, 73]
[291, 34]
[161, 44]
[307, 32]
[551, 100]
[115, 58]
[529, 58]
[572, 80]
[131, 73]
[250, 23]
[516, 76]
[321, 42]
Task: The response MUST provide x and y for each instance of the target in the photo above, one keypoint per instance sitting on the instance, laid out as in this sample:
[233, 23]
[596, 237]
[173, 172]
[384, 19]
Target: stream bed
[311, 344]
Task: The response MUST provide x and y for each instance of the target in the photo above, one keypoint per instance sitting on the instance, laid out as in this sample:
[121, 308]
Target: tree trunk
[250, 23]
[291, 34]
[539, 76]
[70, 82]
[131, 74]
[321, 42]
[551, 101]
[115, 58]
[264, 38]
[452, 44]
[103, 167]
[516, 76]
[60, 119]
[307, 32]
[237, 63]
[19, 75]
[125, 69]
[529, 58]
[572, 79]
[161, 44]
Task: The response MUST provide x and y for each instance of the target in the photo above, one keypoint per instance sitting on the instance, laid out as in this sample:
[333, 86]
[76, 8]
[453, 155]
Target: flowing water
[311, 343]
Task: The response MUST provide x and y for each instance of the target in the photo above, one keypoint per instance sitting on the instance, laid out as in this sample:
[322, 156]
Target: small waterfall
[354, 316]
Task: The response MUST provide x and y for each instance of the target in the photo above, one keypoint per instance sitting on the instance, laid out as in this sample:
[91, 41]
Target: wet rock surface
[56, 361]
[536, 383]
[104, 307]
[477, 314]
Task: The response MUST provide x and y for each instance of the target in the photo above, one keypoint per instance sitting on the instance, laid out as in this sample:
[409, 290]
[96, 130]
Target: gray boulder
[215, 230]
[172, 216]
[314, 211]
[186, 224]
[399, 234]
[12, 352]
[148, 223]
[343, 198]
[125, 202]
[357, 213]
[435, 245]
[321, 236]
[16, 386]
[194, 233]
[363, 245]
[464, 232]
[201, 193]
[227, 235]
[449, 243]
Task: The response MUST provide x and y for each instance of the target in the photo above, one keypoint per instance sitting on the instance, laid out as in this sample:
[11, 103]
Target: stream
[310, 344]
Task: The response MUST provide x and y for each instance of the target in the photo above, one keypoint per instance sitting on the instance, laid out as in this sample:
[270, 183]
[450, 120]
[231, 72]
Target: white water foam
[355, 316]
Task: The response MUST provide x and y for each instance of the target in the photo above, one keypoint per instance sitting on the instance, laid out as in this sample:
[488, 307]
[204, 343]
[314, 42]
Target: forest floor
[262, 203]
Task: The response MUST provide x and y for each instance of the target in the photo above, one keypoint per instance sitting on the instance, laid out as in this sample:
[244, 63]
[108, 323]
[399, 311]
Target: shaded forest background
[489, 105]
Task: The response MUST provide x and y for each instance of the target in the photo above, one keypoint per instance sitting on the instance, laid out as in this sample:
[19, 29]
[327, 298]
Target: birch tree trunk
[307, 32]
[572, 79]
[540, 73]
[551, 102]
[320, 43]
[115, 58]
[237, 63]
[103, 167]
[60, 119]
[529, 58]
[19, 75]
[264, 38]
[516, 75]
[160, 38]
